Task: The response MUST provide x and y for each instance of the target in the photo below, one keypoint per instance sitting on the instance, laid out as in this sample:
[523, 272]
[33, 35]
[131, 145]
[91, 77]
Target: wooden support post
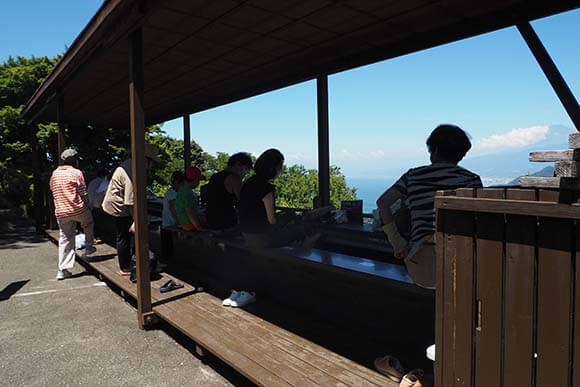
[38, 200]
[551, 71]
[138, 165]
[60, 123]
[323, 141]
[186, 141]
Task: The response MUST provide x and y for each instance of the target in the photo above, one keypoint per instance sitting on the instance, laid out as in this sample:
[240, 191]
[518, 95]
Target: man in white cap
[118, 203]
[67, 184]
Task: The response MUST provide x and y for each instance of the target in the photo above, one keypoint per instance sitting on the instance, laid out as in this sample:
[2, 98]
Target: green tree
[297, 187]
[19, 78]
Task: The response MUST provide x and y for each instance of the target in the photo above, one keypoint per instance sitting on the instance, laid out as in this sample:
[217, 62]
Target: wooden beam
[567, 168]
[323, 141]
[558, 155]
[566, 183]
[551, 71]
[515, 207]
[186, 141]
[574, 141]
[138, 165]
[60, 125]
[37, 184]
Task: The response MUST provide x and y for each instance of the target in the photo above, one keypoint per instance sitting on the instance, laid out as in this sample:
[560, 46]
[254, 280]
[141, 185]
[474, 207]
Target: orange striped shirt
[69, 191]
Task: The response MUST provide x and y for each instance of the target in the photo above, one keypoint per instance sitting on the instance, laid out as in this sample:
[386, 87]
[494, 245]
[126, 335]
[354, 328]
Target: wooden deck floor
[263, 352]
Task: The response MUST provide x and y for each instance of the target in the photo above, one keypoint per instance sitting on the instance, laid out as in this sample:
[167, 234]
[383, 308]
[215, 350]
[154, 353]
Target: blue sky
[380, 114]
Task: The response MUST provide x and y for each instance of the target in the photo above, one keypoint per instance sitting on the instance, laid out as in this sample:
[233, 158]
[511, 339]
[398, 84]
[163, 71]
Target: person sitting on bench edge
[187, 202]
[447, 145]
[223, 192]
[260, 225]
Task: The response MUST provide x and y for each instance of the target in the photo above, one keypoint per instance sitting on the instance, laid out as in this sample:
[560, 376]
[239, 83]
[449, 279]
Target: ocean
[369, 190]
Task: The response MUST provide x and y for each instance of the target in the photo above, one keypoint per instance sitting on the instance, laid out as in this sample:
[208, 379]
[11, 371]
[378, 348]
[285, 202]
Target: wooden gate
[506, 288]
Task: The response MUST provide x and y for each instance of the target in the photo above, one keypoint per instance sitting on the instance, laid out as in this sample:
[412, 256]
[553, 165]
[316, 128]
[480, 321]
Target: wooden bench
[263, 352]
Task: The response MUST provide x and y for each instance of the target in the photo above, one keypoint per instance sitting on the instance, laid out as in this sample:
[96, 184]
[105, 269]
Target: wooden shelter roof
[200, 54]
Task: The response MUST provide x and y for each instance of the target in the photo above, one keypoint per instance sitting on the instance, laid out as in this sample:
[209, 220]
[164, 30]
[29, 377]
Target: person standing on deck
[97, 188]
[68, 188]
[447, 145]
[223, 192]
[118, 203]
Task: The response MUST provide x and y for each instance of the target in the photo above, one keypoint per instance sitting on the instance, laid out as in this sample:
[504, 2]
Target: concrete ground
[79, 332]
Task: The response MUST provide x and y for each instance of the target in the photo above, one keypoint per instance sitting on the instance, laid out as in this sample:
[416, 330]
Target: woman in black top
[223, 192]
[258, 222]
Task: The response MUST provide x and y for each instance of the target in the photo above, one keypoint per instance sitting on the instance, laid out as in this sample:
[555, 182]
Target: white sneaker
[243, 299]
[62, 274]
[234, 296]
[431, 352]
[88, 251]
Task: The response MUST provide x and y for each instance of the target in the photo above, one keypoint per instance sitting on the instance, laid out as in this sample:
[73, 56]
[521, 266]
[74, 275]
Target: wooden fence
[506, 296]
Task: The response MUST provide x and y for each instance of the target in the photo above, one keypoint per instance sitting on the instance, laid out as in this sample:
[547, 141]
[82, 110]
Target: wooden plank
[555, 155]
[554, 288]
[516, 207]
[139, 178]
[576, 305]
[462, 225]
[574, 140]
[290, 368]
[489, 293]
[519, 296]
[315, 365]
[569, 183]
[567, 168]
[440, 277]
[219, 343]
[449, 318]
[307, 349]
[444, 315]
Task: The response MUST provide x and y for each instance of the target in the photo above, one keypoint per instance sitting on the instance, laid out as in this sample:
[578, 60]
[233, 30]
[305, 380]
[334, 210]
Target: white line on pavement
[58, 290]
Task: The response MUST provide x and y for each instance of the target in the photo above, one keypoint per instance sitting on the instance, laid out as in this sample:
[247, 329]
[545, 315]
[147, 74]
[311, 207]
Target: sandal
[169, 286]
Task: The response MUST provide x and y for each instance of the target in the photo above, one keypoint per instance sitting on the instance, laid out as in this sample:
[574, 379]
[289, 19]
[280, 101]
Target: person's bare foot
[311, 240]
[124, 273]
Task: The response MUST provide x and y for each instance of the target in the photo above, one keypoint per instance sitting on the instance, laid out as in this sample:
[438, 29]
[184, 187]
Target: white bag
[80, 241]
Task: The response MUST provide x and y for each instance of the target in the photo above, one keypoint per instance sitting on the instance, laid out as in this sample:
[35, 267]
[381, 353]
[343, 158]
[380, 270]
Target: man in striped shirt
[447, 145]
[67, 184]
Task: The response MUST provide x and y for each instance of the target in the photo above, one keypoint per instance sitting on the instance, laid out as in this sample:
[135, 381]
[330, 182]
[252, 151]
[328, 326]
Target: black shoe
[169, 286]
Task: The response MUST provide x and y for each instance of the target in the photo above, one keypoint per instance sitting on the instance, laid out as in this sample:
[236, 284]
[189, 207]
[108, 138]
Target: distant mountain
[545, 172]
[509, 164]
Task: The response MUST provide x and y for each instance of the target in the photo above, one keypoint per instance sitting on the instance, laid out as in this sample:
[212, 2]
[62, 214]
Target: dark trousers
[166, 245]
[124, 238]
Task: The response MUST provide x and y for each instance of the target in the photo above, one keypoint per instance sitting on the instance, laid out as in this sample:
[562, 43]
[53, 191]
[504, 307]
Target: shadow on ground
[12, 289]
